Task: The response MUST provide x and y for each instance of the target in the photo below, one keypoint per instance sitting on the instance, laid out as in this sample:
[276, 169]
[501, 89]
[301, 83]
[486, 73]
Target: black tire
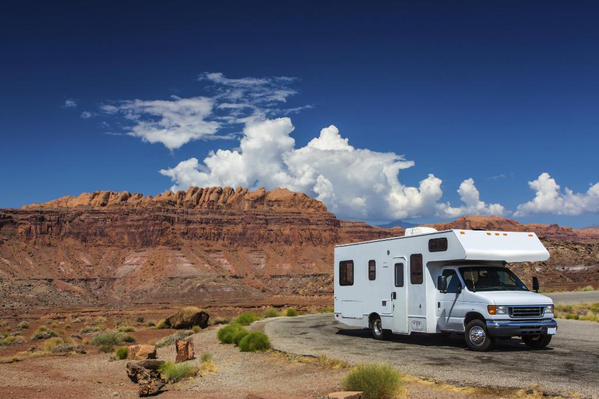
[477, 337]
[537, 341]
[376, 328]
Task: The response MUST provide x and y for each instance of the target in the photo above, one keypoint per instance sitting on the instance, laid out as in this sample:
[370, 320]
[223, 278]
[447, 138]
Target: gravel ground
[569, 367]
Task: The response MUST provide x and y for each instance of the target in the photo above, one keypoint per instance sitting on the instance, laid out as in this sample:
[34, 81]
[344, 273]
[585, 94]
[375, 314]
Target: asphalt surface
[569, 366]
[573, 298]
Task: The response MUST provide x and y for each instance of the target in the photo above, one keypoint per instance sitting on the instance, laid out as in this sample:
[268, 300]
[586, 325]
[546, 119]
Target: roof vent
[414, 231]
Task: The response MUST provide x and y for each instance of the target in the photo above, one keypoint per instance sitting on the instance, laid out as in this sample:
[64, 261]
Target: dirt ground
[270, 375]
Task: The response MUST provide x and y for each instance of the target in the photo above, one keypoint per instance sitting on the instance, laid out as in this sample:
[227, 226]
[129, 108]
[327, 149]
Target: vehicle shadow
[441, 340]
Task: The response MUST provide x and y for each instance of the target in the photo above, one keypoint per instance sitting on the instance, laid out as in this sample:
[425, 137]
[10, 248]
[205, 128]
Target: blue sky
[500, 92]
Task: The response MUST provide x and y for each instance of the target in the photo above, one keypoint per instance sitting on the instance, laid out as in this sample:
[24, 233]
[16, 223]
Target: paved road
[572, 298]
[569, 365]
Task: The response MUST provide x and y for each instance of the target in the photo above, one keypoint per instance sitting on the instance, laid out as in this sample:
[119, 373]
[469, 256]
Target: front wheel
[537, 341]
[376, 326]
[477, 337]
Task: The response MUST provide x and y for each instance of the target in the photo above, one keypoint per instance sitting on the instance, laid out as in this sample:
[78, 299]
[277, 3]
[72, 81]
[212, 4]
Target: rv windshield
[485, 278]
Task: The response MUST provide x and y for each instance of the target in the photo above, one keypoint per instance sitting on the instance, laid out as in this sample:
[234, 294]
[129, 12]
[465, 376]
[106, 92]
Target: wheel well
[473, 316]
[372, 317]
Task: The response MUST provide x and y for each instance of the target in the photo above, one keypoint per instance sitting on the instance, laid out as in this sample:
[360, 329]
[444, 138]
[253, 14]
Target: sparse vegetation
[327, 309]
[90, 330]
[107, 340]
[126, 329]
[174, 372]
[271, 313]
[140, 320]
[377, 381]
[51, 344]
[11, 340]
[588, 288]
[253, 342]
[330, 363]
[170, 340]
[226, 334]
[207, 364]
[44, 332]
[23, 325]
[122, 353]
[162, 325]
[196, 329]
[245, 319]
[291, 312]
[588, 312]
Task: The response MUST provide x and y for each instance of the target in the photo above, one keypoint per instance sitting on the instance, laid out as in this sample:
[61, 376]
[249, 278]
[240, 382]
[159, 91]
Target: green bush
[170, 340]
[196, 329]
[245, 319]
[11, 339]
[253, 342]
[227, 333]
[238, 336]
[271, 313]
[44, 333]
[291, 312]
[106, 341]
[377, 381]
[174, 372]
[122, 353]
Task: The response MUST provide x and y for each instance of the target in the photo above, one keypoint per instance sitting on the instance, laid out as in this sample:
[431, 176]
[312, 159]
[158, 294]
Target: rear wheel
[477, 337]
[537, 341]
[376, 326]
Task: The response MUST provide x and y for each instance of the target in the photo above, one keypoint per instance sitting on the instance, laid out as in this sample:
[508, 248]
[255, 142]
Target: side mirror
[535, 284]
[442, 283]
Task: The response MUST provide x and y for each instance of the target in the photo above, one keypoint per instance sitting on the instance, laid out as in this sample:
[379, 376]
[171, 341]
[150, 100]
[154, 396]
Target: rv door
[400, 296]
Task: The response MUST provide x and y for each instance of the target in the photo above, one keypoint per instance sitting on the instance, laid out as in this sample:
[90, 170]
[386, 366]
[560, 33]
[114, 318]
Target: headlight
[548, 309]
[495, 309]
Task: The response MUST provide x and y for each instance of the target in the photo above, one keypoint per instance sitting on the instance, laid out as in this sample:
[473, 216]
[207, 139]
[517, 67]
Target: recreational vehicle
[453, 281]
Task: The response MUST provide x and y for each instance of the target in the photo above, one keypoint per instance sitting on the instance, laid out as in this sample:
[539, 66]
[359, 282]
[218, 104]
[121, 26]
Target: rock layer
[213, 246]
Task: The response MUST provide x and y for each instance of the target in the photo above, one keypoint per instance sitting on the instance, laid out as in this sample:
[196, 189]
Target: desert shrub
[100, 320]
[238, 336]
[51, 343]
[255, 341]
[327, 309]
[196, 329]
[90, 330]
[11, 340]
[174, 372]
[227, 333]
[207, 364]
[126, 329]
[245, 319]
[107, 340]
[588, 288]
[330, 363]
[151, 324]
[291, 312]
[377, 381]
[162, 325]
[140, 320]
[44, 332]
[206, 357]
[122, 353]
[23, 325]
[270, 313]
[170, 340]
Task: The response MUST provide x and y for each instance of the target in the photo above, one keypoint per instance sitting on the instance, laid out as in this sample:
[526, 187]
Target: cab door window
[453, 281]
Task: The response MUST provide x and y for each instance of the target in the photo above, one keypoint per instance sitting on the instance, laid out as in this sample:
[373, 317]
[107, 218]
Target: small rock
[141, 352]
[185, 350]
[147, 375]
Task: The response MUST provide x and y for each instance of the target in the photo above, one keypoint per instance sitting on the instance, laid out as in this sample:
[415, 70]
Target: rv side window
[416, 269]
[346, 272]
[437, 244]
[371, 269]
[399, 274]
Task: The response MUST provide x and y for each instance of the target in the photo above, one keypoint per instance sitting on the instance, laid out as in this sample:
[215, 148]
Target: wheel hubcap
[477, 335]
[378, 327]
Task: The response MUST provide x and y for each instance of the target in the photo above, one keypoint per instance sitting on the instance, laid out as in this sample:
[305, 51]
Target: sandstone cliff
[213, 245]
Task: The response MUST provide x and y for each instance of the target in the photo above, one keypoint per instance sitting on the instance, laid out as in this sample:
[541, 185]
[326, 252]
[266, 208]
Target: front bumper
[511, 328]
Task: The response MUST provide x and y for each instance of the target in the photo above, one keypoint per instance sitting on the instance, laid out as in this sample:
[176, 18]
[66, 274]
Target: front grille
[526, 311]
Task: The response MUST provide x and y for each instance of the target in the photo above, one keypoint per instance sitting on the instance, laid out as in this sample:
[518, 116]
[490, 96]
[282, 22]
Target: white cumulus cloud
[550, 199]
[352, 182]
[70, 103]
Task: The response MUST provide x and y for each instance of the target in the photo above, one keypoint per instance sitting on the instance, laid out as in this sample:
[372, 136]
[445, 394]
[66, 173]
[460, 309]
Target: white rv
[432, 281]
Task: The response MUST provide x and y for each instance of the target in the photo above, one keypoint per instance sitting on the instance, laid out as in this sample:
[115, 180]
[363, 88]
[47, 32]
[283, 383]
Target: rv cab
[454, 281]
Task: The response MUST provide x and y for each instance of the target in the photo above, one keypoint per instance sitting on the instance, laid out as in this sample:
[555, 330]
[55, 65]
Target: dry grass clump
[44, 332]
[126, 329]
[107, 340]
[175, 372]
[207, 364]
[291, 312]
[11, 340]
[272, 312]
[90, 330]
[23, 325]
[52, 343]
[376, 381]
[588, 312]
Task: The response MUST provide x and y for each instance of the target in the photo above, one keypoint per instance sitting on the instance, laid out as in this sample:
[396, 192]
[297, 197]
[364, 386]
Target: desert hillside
[212, 246]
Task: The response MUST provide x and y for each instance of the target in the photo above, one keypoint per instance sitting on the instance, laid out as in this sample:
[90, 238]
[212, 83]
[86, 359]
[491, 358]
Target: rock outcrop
[213, 246]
